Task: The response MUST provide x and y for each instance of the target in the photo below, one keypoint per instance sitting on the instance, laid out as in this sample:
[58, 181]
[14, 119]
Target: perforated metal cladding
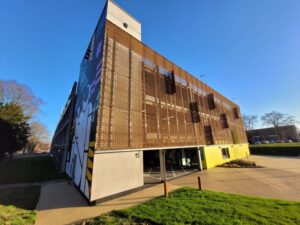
[120, 116]
[136, 112]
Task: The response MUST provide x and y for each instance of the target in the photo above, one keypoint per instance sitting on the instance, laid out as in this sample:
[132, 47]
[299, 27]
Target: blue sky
[248, 50]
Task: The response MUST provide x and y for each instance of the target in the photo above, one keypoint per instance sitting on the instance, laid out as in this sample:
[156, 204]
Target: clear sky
[248, 50]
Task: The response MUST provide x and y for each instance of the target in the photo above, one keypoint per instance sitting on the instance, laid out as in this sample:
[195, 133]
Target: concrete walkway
[280, 179]
[60, 202]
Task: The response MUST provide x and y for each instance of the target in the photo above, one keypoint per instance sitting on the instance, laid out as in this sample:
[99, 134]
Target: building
[274, 134]
[135, 117]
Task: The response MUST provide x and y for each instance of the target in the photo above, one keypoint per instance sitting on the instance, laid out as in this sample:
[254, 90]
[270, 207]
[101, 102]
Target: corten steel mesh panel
[136, 112]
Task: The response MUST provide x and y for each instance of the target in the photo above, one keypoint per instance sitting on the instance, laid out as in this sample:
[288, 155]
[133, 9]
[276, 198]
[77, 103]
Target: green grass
[190, 206]
[276, 149]
[17, 205]
[35, 169]
[293, 144]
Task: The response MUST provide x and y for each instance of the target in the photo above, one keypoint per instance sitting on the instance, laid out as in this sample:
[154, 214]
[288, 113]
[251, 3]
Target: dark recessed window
[194, 112]
[170, 83]
[211, 101]
[225, 153]
[224, 120]
[235, 113]
[208, 135]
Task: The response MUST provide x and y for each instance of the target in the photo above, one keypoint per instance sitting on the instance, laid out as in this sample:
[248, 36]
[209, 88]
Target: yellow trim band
[88, 175]
[89, 163]
[90, 153]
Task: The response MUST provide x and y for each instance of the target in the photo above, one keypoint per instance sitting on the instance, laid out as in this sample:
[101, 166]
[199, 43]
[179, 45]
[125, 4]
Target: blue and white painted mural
[80, 164]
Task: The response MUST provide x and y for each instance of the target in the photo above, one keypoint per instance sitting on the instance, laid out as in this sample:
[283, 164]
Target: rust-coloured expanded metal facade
[146, 101]
[130, 98]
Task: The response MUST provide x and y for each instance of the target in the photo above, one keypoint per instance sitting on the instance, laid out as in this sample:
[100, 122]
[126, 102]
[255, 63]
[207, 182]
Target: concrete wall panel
[116, 172]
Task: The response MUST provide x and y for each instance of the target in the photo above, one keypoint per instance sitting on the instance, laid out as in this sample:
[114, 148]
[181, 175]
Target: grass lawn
[190, 206]
[293, 144]
[17, 205]
[33, 169]
[276, 149]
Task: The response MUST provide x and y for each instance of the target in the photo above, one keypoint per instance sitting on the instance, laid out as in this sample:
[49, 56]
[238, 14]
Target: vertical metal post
[165, 188]
[162, 165]
[162, 159]
[199, 183]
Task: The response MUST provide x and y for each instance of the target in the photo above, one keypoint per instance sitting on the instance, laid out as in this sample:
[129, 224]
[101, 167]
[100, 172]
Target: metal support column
[162, 161]
[199, 159]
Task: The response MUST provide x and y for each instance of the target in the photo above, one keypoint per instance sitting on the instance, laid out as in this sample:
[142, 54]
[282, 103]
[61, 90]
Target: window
[194, 112]
[170, 83]
[224, 121]
[225, 153]
[211, 101]
[208, 135]
[235, 113]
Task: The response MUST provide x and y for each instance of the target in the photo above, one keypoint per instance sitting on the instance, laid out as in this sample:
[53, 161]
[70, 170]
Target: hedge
[275, 150]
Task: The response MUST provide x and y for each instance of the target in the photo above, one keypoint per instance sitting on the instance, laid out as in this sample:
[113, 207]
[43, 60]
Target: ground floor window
[178, 162]
[225, 153]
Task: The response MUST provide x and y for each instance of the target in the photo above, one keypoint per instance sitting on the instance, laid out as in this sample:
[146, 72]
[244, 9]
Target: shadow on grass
[21, 197]
[33, 169]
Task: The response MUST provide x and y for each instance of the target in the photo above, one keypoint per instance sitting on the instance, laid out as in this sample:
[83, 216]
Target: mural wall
[80, 158]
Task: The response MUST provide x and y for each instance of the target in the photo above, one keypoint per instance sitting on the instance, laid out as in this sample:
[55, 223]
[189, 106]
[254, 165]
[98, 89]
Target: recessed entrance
[178, 162]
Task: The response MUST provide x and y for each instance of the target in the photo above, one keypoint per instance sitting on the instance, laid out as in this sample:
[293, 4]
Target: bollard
[199, 183]
[166, 188]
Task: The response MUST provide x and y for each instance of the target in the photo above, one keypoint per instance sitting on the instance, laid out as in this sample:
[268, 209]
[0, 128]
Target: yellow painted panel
[214, 157]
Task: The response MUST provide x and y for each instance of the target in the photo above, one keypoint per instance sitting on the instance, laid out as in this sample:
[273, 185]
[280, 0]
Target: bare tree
[13, 92]
[39, 136]
[250, 121]
[278, 120]
[21, 95]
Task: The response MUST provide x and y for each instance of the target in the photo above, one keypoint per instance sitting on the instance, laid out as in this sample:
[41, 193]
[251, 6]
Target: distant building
[134, 114]
[289, 132]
